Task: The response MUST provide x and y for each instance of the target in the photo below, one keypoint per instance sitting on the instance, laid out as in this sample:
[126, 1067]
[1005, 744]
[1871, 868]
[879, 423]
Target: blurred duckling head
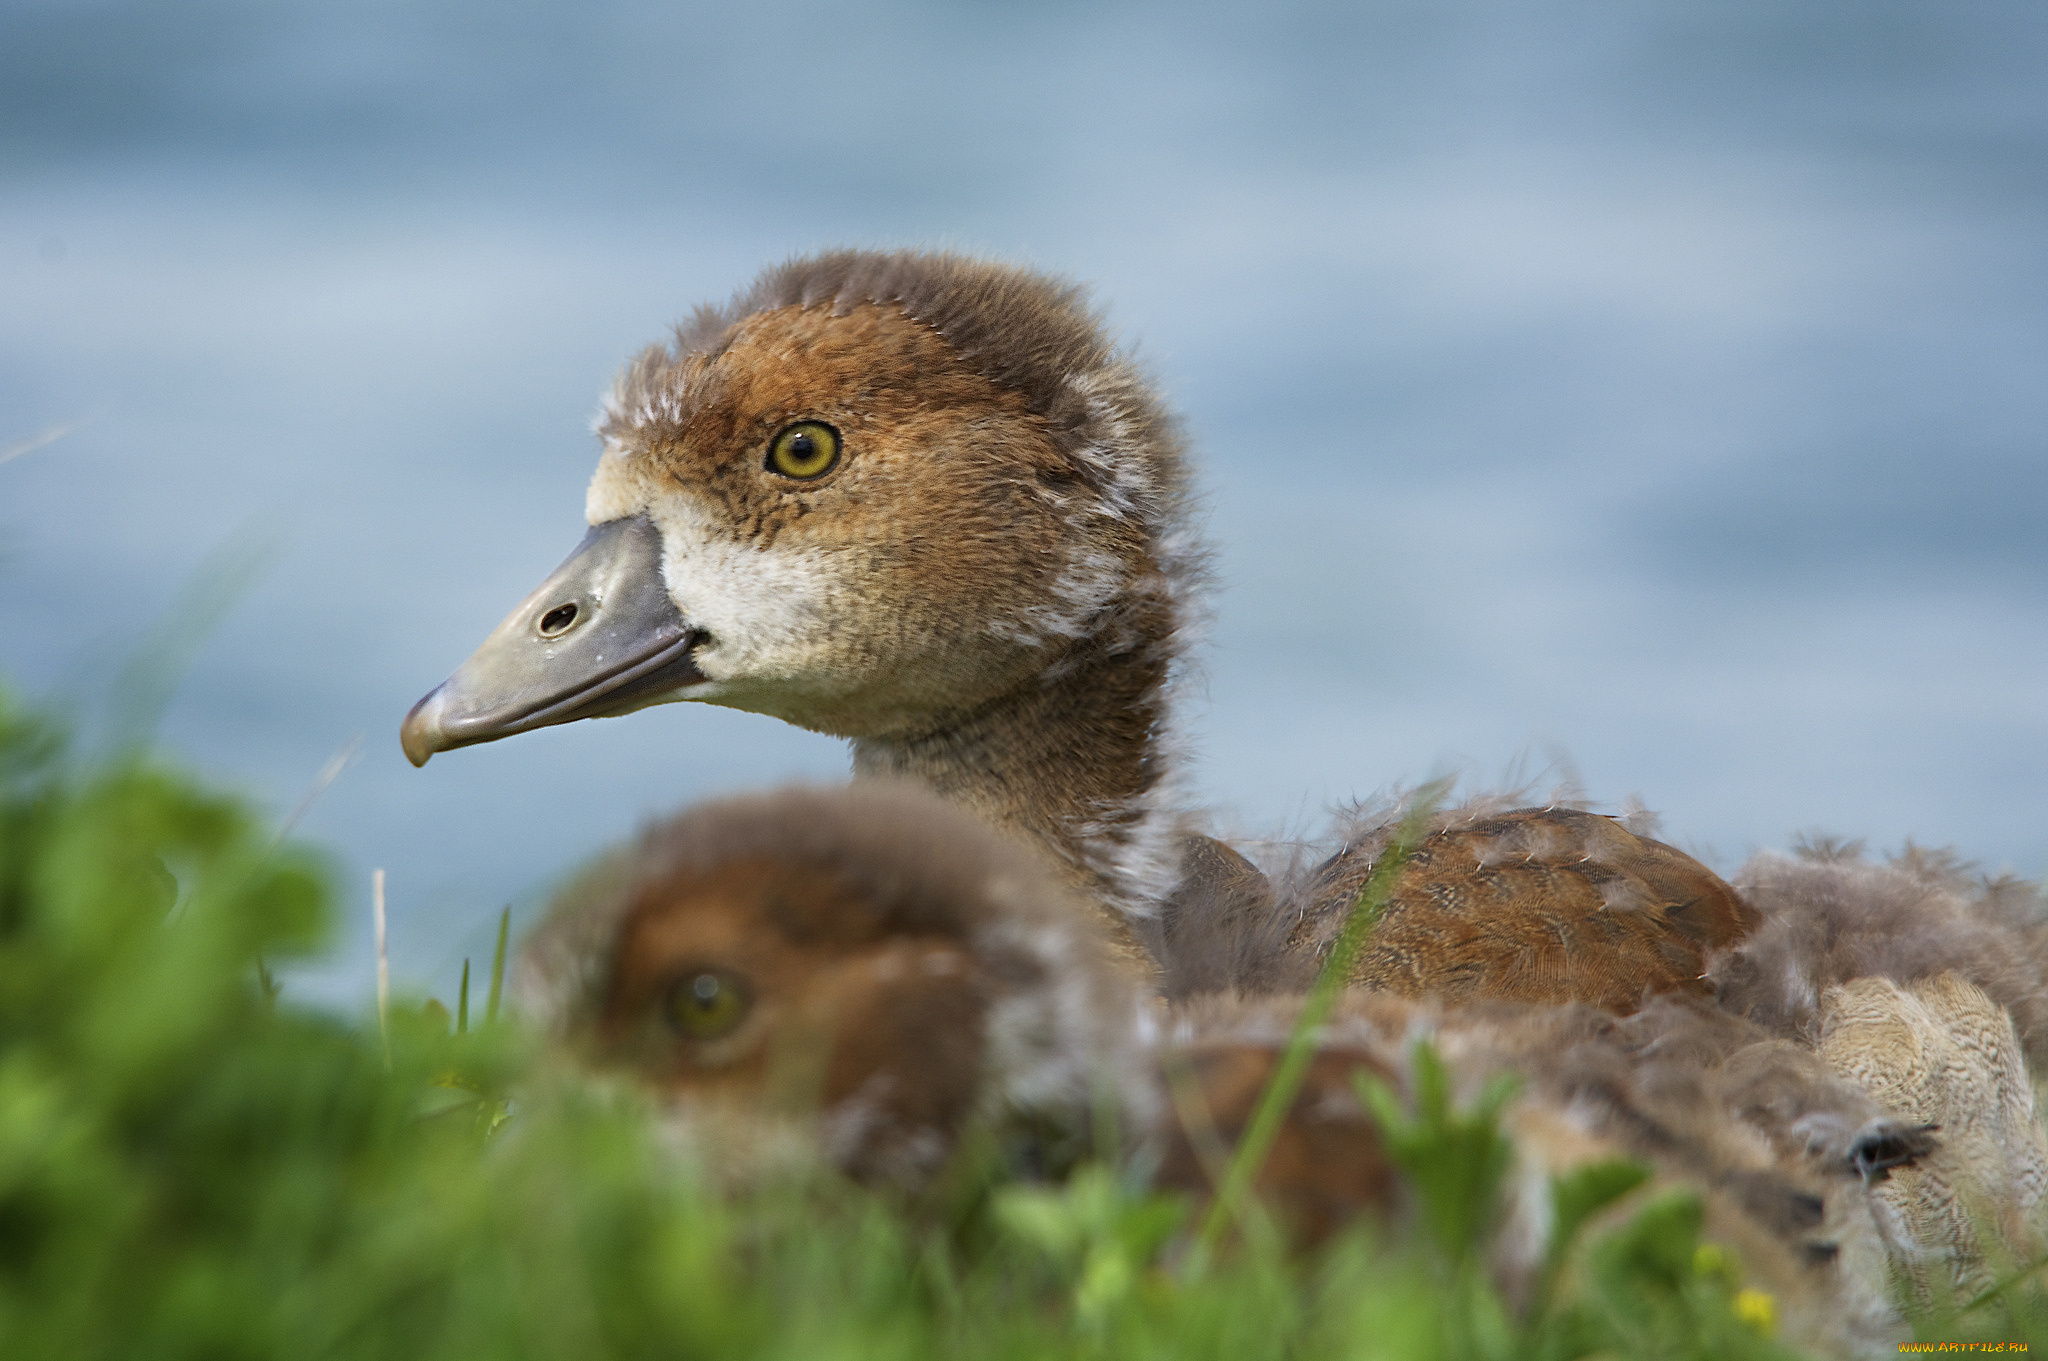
[871, 958]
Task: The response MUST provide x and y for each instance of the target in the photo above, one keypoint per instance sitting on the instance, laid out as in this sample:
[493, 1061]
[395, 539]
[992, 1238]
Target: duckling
[890, 966]
[1932, 993]
[1875, 1006]
[1711, 1104]
[1881, 1003]
[1833, 915]
[1940, 1050]
[885, 962]
[919, 501]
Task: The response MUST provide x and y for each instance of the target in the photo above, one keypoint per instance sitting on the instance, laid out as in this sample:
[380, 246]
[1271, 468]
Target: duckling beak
[600, 637]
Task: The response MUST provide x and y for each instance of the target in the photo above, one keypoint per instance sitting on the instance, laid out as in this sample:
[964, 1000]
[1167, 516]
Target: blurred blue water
[1659, 386]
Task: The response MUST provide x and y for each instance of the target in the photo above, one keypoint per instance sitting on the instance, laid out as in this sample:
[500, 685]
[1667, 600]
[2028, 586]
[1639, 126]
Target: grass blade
[497, 968]
[1285, 1083]
[383, 963]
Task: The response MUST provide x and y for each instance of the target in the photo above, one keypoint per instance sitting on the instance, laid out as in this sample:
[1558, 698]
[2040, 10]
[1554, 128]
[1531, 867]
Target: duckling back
[1550, 905]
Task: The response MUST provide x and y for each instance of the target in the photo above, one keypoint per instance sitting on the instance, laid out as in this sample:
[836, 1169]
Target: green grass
[191, 1165]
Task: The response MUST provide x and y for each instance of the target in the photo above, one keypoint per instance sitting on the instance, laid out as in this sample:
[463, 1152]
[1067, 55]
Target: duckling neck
[1075, 760]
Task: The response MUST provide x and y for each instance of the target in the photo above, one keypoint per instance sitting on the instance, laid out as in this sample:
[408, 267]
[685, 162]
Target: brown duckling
[884, 963]
[919, 501]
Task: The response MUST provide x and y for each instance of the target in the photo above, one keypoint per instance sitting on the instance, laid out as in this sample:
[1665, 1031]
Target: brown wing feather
[1537, 905]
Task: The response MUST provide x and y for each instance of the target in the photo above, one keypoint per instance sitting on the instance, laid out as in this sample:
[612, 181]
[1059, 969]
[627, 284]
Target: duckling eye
[706, 1005]
[805, 450]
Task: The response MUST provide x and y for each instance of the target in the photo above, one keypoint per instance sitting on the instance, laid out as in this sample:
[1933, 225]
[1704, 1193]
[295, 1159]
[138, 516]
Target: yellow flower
[1758, 1309]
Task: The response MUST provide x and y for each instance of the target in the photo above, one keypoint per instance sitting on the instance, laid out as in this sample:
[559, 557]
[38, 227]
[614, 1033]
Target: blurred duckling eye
[707, 1005]
[805, 450]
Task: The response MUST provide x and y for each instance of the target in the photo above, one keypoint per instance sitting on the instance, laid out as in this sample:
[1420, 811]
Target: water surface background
[1649, 393]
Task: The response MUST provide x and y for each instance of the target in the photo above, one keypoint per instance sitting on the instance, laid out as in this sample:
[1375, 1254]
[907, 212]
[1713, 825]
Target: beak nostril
[558, 620]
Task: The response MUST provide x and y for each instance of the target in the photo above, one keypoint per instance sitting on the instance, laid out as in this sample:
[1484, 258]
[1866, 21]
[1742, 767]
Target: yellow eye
[704, 1006]
[805, 450]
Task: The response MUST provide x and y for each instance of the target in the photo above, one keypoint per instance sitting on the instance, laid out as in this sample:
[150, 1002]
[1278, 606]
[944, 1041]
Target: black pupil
[803, 447]
[558, 618]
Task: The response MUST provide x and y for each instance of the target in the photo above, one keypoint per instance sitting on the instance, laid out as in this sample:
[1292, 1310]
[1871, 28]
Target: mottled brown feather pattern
[1927, 987]
[1942, 1052]
[1538, 905]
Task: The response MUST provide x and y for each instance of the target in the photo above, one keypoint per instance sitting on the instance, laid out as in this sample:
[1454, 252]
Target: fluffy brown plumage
[1327, 1164]
[996, 572]
[1863, 1024]
[1831, 916]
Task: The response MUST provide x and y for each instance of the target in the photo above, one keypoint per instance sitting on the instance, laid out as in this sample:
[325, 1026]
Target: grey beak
[599, 637]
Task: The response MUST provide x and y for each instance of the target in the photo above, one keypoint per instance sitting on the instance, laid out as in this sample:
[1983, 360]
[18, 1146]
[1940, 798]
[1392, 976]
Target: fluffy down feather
[1832, 916]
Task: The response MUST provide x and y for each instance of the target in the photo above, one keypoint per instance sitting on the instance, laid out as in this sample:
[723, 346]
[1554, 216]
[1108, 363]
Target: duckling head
[875, 959]
[915, 500]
